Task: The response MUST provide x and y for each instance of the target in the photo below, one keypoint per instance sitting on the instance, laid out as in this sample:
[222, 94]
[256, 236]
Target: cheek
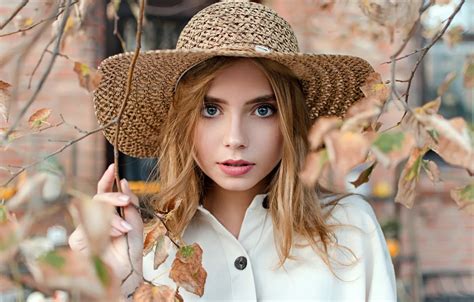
[270, 139]
[204, 140]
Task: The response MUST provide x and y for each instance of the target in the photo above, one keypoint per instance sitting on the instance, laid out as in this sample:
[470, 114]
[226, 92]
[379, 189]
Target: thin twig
[45, 74]
[70, 143]
[40, 60]
[17, 10]
[21, 30]
[119, 116]
[428, 47]
[117, 32]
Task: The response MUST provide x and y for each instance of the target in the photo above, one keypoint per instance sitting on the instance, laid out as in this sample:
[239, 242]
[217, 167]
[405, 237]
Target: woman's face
[238, 139]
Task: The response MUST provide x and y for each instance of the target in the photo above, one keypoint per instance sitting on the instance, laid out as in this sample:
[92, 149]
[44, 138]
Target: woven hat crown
[238, 25]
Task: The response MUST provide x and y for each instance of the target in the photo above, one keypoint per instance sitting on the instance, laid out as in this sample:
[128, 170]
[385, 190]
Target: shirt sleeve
[378, 266]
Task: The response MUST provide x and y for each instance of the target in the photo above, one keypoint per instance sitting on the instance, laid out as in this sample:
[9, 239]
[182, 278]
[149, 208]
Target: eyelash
[208, 105]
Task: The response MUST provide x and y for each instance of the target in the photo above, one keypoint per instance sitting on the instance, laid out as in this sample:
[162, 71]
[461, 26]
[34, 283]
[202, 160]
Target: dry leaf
[374, 87]
[393, 15]
[453, 36]
[320, 128]
[74, 271]
[411, 123]
[31, 190]
[9, 236]
[95, 217]
[161, 250]
[446, 83]
[364, 176]
[345, 151]
[39, 118]
[313, 167]
[468, 72]
[409, 178]
[432, 170]
[151, 235]
[187, 271]
[362, 115]
[442, 2]
[464, 197]
[89, 78]
[149, 293]
[392, 147]
[4, 96]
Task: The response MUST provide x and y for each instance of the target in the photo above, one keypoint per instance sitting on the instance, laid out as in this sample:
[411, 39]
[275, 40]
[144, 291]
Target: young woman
[227, 114]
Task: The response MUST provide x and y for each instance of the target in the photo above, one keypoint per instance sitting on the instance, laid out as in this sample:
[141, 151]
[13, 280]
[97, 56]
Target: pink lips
[236, 167]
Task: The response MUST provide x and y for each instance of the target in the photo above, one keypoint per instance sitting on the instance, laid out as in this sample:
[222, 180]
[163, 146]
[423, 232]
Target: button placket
[240, 263]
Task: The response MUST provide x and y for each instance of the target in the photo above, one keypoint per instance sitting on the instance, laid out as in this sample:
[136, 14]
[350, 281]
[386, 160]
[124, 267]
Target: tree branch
[17, 10]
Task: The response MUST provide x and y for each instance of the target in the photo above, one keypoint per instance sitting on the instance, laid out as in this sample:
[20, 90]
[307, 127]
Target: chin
[237, 184]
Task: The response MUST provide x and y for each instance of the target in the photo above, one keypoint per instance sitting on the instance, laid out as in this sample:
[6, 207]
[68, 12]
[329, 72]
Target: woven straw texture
[232, 28]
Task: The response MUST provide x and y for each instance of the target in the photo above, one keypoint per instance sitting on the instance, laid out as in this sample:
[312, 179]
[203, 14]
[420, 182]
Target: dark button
[240, 263]
[265, 203]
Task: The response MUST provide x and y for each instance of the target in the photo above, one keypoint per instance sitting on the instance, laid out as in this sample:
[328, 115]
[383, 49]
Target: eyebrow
[259, 99]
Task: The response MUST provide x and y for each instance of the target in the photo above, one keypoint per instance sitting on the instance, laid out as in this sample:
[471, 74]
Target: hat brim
[331, 84]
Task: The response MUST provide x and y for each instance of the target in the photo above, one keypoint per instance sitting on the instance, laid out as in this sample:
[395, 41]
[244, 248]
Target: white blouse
[243, 269]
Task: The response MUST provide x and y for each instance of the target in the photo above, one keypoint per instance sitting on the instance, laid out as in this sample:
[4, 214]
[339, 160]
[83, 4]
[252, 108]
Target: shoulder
[352, 210]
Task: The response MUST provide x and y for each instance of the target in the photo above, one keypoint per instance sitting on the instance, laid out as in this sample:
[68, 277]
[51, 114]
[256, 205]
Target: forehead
[242, 80]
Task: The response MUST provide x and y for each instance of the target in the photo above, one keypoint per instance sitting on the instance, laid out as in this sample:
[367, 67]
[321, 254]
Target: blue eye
[265, 110]
[209, 110]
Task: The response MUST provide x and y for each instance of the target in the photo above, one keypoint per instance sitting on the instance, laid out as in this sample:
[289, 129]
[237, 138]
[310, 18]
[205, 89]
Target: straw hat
[231, 28]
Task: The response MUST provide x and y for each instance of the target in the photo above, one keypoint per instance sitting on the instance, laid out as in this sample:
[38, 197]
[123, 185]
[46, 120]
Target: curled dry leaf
[468, 72]
[313, 167]
[454, 139]
[320, 128]
[187, 271]
[393, 15]
[89, 78]
[432, 170]
[393, 146]
[161, 250]
[152, 232]
[409, 178]
[446, 83]
[362, 115]
[74, 271]
[95, 217]
[410, 123]
[150, 293]
[4, 96]
[374, 87]
[464, 197]
[364, 176]
[345, 151]
[39, 118]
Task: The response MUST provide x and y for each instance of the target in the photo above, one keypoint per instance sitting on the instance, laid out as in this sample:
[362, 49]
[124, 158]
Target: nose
[235, 136]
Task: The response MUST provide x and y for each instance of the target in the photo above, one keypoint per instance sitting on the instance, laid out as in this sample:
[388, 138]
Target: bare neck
[229, 207]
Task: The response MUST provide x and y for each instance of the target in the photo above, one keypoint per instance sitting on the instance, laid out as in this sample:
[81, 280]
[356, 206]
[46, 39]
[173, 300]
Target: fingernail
[126, 225]
[110, 166]
[124, 198]
[125, 182]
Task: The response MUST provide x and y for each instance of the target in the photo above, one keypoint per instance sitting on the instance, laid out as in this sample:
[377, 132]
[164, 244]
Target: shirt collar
[257, 202]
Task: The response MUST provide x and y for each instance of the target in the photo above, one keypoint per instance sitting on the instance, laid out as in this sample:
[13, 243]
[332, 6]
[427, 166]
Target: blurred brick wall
[84, 161]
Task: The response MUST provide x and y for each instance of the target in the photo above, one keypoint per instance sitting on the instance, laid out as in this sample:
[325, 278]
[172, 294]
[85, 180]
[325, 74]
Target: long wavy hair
[296, 210]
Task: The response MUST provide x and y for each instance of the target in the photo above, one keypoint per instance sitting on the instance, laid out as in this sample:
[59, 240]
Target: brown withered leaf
[468, 72]
[187, 271]
[150, 293]
[345, 151]
[432, 170]
[70, 270]
[152, 233]
[446, 83]
[9, 236]
[374, 87]
[95, 217]
[412, 124]
[364, 176]
[362, 115]
[453, 35]
[320, 128]
[464, 197]
[313, 167]
[161, 250]
[4, 96]
[409, 178]
[39, 118]
[454, 140]
[393, 146]
[89, 78]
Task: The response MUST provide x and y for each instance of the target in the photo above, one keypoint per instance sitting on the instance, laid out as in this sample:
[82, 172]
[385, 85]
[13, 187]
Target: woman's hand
[117, 254]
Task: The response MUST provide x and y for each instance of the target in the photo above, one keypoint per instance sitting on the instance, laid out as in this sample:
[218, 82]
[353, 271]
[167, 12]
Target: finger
[126, 190]
[77, 240]
[115, 233]
[106, 182]
[113, 198]
[120, 224]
